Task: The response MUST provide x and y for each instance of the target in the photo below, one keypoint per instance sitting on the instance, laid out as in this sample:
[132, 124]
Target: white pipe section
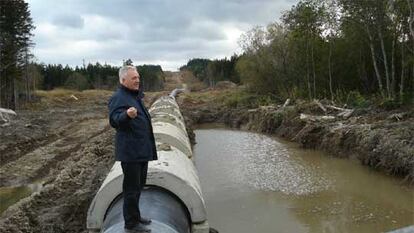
[169, 118]
[172, 135]
[174, 170]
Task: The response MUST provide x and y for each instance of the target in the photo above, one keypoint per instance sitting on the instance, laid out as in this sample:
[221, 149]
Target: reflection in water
[256, 183]
[269, 166]
[11, 195]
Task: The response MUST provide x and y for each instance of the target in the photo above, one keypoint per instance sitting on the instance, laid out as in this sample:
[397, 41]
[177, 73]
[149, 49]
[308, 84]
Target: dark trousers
[135, 176]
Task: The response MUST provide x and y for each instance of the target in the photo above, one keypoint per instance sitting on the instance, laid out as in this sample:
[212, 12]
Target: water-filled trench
[257, 183]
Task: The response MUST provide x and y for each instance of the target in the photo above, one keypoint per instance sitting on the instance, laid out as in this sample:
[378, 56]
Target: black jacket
[134, 140]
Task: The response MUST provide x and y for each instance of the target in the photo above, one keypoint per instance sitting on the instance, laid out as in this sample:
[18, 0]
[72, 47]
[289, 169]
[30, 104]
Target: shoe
[145, 221]
[137, 229]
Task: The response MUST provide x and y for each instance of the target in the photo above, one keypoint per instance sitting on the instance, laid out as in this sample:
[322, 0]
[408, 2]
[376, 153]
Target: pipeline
[172, 197]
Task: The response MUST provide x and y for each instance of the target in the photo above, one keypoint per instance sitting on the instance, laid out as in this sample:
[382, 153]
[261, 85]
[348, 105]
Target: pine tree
[15, 32]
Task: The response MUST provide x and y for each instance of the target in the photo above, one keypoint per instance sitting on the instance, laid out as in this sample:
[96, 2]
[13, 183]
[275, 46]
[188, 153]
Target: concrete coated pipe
[168, 133]
[168, 124]
[167, 109]
[165, 100]
[173, 171]
[172, 197]
[169, 118]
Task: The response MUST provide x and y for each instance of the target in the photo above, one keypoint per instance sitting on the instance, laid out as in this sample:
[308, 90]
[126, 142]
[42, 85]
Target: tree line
[93, 76]
[334, 49]
[213, 71]
[90, 76]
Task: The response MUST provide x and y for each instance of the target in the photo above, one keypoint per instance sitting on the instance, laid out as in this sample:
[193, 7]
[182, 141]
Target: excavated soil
[63, 146]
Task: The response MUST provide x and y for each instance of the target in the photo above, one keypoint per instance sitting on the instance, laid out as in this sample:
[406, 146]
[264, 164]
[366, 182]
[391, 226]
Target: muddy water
[254, 183]
[11, 195]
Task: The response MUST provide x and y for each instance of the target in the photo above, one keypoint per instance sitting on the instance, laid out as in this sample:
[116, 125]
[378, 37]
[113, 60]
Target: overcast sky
[164, 32]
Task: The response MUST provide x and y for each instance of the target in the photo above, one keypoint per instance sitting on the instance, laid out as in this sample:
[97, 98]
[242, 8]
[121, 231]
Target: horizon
[156, 33]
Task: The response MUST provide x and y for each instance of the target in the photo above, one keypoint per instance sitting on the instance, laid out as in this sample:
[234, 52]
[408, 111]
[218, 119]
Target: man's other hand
[132, 112]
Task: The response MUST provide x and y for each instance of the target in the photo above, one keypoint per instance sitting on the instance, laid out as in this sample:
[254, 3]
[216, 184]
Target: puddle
[11, 195]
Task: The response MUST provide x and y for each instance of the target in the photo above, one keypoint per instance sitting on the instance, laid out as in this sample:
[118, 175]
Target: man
[134, 144]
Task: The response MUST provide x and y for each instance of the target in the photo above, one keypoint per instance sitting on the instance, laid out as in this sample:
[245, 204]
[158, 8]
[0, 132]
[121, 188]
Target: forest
[92, 76]
[341, 50]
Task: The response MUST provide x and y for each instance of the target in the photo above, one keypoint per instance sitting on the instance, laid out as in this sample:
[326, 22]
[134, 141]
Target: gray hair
[123, 71]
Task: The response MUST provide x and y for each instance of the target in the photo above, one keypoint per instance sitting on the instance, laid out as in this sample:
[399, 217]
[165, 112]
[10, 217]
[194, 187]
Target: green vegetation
[77, 81]
[243, 99]
[354, 52]
[153, 77]
[355, 99]
[15, 31]
[233, 98]
[213, 71]
[95, 76]
[198, 66]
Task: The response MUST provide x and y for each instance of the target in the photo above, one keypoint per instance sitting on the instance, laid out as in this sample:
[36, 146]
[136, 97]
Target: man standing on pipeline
[134, 144]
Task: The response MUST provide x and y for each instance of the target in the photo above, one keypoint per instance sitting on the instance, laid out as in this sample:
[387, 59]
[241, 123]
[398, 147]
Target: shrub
[355, 99]
[390, 104]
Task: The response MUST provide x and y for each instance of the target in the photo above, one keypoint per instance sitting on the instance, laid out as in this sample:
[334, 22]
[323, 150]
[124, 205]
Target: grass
[192, 82]
[230, 98]
[62, 93]
[60, 97]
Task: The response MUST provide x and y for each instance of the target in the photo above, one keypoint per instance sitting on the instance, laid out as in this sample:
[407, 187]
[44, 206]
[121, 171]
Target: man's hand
[132, 112]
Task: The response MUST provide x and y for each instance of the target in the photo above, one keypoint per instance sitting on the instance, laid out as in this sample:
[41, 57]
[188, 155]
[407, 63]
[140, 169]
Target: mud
[62, 204]
[63, 145]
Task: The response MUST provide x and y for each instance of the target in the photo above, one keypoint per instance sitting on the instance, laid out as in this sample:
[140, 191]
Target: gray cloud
[68, 20]
[160, 31]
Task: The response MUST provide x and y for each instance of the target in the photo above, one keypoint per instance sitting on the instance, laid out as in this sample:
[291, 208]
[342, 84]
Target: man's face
[131, 81]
